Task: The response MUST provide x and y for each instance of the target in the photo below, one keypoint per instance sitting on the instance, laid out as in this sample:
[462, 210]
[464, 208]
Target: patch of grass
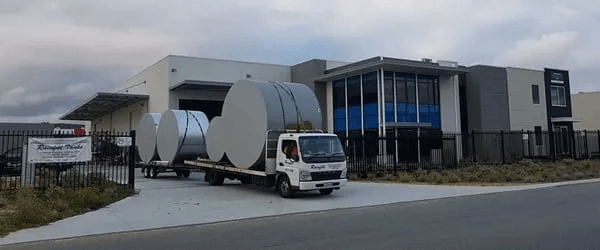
[28, 207]
[520, 173]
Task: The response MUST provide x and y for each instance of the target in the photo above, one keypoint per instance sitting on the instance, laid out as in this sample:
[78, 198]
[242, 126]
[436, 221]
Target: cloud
[12, 97]
[547, 50]
[56, 53]
[23, 97]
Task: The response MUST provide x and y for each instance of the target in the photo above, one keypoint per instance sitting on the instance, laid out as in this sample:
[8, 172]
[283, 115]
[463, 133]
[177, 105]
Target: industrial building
[352, 96]
[586, 107]
[377, 96]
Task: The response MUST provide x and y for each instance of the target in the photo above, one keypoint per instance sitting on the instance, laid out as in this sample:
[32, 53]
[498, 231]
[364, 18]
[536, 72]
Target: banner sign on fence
[48, 150]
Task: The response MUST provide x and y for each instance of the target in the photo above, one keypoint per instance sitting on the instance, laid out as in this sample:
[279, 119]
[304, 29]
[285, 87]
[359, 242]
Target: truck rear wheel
[154, 172]
[246, 180]
[186, 173]
[284, 187]
[215, 178]
[325, 191]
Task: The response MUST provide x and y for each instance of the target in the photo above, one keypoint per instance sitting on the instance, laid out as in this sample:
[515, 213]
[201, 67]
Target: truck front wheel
[284, 188]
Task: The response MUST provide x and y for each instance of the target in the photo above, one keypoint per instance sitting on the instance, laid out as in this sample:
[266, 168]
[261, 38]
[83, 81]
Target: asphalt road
[566, 217]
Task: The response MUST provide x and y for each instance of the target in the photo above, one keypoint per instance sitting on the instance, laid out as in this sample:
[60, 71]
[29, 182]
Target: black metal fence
[428, 151]
[112, 161]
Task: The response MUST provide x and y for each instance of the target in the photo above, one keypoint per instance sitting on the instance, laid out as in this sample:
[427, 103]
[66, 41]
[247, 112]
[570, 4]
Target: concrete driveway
[170, 201]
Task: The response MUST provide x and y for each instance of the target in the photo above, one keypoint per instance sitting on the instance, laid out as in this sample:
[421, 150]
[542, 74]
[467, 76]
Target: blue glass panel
[411, 109]
[411, 118]
[354, 124]
[354, 111]
[339, 113]
[389, 107]
[435, 123]
[339, 125]
[370, 122]
[370, 109]
[389, 117]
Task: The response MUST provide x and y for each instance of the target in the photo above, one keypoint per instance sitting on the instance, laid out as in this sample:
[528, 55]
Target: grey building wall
[524, 114]
[487, 98]
[305, 73]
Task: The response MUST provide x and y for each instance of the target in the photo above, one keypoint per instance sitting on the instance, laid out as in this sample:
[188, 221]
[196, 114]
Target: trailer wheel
[215, 178]
[207, 176]
[154, 172]
[186, 173]
[284, 187]
[326, 191]
[246, 180]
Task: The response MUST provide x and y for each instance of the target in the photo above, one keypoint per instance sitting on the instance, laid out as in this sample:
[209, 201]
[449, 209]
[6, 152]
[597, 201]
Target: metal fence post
[131, 175]
[395, 154]
[573, 145]
[473, 146]
[552, 143]
[502, 145]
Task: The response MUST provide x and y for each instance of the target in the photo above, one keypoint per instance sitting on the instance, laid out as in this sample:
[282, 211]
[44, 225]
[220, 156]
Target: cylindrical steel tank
[181, 135]
[215, 150]
[146, 137]
[252, 107]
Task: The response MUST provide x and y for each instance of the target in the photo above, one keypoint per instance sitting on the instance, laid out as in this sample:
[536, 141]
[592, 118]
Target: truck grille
[326, 175]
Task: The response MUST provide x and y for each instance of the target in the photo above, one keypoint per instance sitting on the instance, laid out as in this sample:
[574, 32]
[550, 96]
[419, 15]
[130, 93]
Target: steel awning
[390, 64]
[408, 125]
[564, 119]
[201, 85]
[102, 104]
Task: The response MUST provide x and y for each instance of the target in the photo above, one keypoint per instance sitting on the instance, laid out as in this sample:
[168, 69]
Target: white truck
[319, 163]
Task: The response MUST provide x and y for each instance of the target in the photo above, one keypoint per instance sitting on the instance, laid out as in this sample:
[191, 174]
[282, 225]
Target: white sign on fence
[48, 150]
[123, 141]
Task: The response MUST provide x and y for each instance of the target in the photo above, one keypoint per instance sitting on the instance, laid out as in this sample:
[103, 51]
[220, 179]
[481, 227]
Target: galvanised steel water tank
[182, 135]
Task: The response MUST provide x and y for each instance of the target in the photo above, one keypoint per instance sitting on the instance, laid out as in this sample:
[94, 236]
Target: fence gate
[45, 162]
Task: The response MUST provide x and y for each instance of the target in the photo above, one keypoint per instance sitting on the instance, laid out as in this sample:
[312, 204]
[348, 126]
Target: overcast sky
[56, 54]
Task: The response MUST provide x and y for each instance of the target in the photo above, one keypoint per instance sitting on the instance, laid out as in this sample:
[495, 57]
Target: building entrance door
[561, 139]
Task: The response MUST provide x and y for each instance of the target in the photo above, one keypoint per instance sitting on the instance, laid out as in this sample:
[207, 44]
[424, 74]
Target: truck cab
[309, 161]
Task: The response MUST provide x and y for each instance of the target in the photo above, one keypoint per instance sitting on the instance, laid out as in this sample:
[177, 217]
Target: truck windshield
[315, 149]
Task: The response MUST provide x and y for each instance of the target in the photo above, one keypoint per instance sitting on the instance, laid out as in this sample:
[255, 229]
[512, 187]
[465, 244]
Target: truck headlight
[305, 175]
[343, 174]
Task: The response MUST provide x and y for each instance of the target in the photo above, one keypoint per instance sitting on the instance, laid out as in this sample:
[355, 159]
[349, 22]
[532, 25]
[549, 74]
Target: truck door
[288, 158]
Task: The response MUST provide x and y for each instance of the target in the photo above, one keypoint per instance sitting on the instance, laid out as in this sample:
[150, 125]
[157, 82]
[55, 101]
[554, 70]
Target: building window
[557, 93]
[535, 93]
[406, 107]
[429, 103]
[388, 88]
[354, 103]
[339, 105]
[370, 107]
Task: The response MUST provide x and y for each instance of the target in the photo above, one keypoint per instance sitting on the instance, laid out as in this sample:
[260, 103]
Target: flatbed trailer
[152, 169]
[216, 172]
